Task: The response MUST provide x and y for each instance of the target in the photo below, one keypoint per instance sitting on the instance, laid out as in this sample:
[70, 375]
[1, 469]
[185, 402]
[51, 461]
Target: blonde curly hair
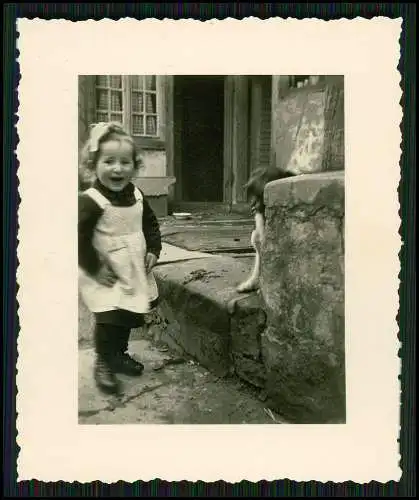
[98, 134]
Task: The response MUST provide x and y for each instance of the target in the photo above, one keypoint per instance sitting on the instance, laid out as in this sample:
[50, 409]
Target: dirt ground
[179, 393]
[172, 390]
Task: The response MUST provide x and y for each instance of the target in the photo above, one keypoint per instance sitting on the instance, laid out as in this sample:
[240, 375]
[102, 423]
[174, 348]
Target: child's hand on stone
[106, 276]
[150, 262]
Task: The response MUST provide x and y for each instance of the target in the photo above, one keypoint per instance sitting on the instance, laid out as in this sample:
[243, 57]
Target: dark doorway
[200, 140]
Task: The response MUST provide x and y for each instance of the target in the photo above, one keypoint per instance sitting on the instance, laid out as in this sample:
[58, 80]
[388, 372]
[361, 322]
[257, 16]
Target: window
[133, 101]
[109, 99]
[299, 81]
[143, 106]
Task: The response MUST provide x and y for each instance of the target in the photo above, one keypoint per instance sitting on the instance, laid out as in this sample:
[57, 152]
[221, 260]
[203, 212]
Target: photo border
[407, 198]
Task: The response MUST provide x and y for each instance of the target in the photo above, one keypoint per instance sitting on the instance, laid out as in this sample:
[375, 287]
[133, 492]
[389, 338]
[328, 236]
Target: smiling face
[115, 166]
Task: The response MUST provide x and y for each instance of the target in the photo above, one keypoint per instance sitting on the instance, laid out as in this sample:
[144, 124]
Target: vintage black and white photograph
[211, 249]
[208, 250]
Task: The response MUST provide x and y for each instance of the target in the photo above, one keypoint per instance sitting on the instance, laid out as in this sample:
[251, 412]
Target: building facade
[203, 135]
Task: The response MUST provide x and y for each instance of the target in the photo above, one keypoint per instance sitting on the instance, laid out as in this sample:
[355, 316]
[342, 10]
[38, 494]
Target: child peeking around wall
[119, 243]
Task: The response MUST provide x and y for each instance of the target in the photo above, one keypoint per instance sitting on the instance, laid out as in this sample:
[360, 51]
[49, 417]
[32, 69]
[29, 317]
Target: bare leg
[252, 283]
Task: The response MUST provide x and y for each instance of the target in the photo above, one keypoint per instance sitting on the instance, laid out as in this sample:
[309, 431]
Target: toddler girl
[119, 243]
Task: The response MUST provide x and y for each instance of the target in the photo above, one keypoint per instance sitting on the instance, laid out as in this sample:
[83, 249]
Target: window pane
[151, 103]
[116, 101]
[137, 125]
[102, 117]
[137, 105]
[116, 82]
[150, 82]
[137, 82]
[116, 117]
[102, 99]
[151, 128]
[102, 80]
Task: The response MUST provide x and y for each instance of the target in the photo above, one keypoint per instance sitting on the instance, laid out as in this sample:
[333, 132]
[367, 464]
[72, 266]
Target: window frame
[143, 141]
[109, 89]
[294, 80]
[129, 90]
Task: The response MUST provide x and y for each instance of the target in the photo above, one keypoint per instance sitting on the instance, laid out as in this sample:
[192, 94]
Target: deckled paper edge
[254, 458]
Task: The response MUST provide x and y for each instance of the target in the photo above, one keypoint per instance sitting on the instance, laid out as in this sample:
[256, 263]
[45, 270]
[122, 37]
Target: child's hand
[150, 262]
[106, 276]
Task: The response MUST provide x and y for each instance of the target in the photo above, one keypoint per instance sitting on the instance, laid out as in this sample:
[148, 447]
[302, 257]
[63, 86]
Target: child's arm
[89, 213]
[151, 230]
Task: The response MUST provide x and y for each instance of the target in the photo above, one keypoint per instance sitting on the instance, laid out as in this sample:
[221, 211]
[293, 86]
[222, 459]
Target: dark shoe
[105, 378]
[123, 363]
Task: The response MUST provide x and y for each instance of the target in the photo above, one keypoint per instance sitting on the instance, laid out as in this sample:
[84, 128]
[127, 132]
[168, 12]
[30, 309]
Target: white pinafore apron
[119, 241]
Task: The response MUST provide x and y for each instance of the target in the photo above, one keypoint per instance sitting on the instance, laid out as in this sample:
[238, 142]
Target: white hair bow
[99, 130]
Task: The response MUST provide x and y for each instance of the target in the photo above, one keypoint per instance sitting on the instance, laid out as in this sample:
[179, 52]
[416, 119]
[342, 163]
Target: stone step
[205, 316]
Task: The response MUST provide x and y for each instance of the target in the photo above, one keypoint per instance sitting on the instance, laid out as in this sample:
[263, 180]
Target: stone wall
[302, 287]
[308, 127]
[154, 163]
